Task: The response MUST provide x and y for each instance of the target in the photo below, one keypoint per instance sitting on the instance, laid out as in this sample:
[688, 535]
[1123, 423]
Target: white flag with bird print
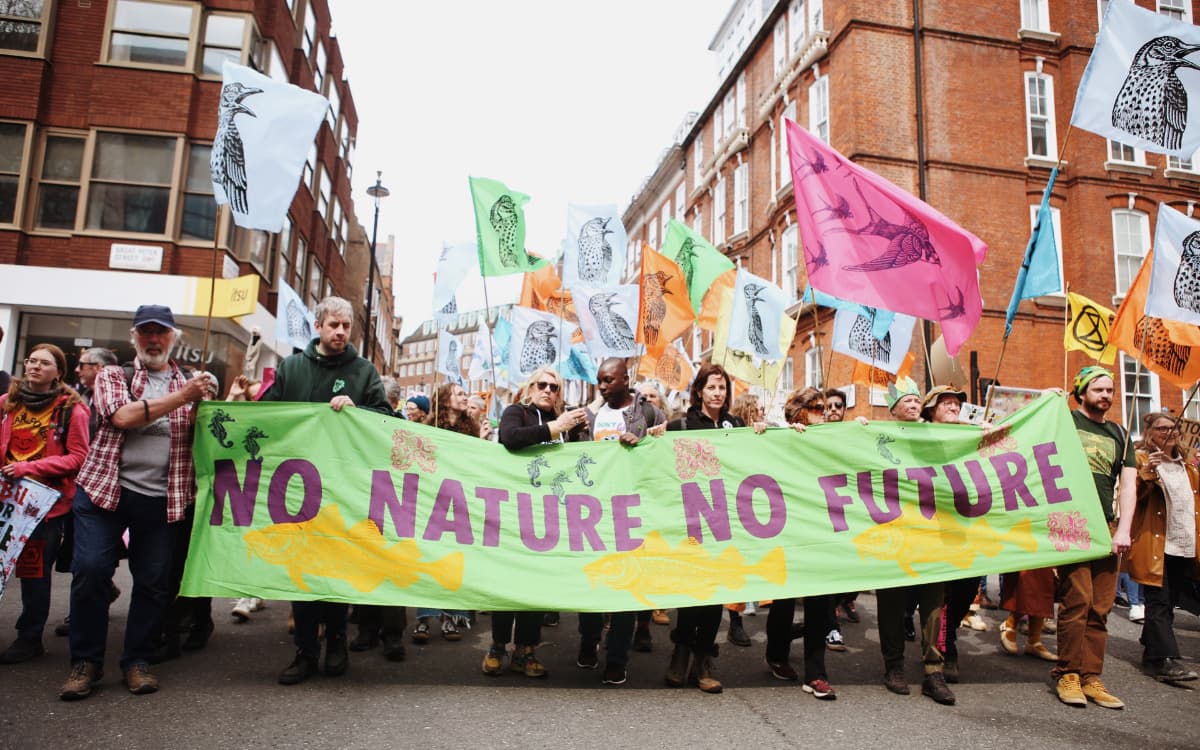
[538, 339]
[758, 306]
[264, 131]
[294, 324]
[608, 318]
[449, 356]
[456, 260]
[1175, 276]
[496, 345]
[1143, 73]
[594, 248]
[853, 336]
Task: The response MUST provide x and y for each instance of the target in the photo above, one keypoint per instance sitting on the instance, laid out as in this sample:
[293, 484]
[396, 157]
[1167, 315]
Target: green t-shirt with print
[1101, 443]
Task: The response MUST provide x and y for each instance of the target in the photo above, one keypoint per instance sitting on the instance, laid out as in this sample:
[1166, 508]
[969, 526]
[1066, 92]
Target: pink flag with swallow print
[867, 241]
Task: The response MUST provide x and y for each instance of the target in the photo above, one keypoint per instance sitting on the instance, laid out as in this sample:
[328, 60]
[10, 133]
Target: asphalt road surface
[226, 697]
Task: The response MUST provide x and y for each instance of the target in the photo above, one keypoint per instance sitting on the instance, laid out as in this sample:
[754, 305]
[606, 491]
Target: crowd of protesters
[117, 446]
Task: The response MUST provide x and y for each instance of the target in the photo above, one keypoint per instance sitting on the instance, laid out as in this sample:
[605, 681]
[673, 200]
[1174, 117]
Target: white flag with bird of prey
[594, 249]
[1143, 74]
[758, 306]
[456, 260]
[607, 318]
[264, 131]
[449, 356]
[538, 339]
[294, 324]
[853, 336]
[1175, 276]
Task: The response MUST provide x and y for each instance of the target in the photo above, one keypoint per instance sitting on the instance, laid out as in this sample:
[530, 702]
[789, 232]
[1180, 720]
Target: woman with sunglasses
[538, 418]
[43, 436]
[1165, 544]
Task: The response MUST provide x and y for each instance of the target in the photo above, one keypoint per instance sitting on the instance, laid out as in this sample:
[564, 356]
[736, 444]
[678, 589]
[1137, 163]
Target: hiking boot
[529, 663]
[365, 640]
[140, 681]
[820, 689]
[834, 641]
[895, 681]
[301, 668]
[1169, 670]
[703, 676]
[614, 674]
[934, 685]
[950, 671]
[393, 647]
[781, 670]
[84, 674]
[337, 655]
[198, 636]
[493, 660]
[660, 617]
[677, 669]
[1096, 692]
[550, 619]
[63, 629]
[1069, 690]
[642, 640]
[588, 655]
[737, 634]
[22, 649]
[167, 649]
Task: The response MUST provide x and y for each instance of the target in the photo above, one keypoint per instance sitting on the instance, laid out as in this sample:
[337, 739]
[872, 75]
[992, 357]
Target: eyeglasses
[836, 405]
[88, 364]
[1166, 428]
[815, 407]
[542, 385]
[30, 362]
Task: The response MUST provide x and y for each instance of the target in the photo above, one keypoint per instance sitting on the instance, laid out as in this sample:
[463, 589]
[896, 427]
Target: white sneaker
[834, 641]
[1137, 613]
[751, 609]
[246, 605]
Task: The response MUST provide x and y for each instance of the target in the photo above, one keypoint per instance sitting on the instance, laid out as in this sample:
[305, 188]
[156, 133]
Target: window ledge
[1051, 37]
[737, 236]
[1057, 299]
[1042, 162]
[1128, 167]
[785, 191]
[181, 69]
[4, 52]
[1182, 174]
[1117, 299]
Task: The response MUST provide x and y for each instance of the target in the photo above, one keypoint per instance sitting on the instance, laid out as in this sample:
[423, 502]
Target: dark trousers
[528, 628]
[388, 622]
[35, 592]
[696, 628]
[309, 617]
[960, 595]
[1158, 631]
[620, 633]
[891, 612]
[818, 621]
[97, 548]
[182, 608]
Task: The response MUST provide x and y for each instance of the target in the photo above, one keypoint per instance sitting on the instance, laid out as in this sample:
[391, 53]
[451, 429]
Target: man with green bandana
[1087, 590]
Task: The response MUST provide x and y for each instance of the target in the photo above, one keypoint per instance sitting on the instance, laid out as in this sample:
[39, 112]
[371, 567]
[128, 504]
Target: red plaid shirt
[98, 475]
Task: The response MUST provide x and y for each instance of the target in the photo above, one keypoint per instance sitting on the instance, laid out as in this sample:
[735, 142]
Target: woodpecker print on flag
[594, 249]
[1175, 277]
[887, 249]
[264, 131]
[500, 229]
[1143, 74]
[538, 339]
[758, 308]
[608, 318]
[853, 336]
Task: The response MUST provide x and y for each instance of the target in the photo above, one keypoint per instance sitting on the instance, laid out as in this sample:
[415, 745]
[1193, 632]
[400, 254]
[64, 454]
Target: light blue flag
[882, 319]
[449, 356]
[1039, 272]
[578, 365]
[594, 248]
[758, 307]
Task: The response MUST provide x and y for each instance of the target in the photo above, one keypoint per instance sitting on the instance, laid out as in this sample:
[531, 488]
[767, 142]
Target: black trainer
[337, 655]
[24, 649]
[301, 668]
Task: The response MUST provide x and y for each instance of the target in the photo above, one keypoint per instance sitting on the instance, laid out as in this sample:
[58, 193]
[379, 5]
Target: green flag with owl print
[500, 228]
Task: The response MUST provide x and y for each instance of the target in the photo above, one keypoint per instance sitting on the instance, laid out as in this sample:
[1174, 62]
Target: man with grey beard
[138, 476]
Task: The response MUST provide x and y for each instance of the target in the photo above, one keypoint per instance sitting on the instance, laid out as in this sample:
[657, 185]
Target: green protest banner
[299, 502]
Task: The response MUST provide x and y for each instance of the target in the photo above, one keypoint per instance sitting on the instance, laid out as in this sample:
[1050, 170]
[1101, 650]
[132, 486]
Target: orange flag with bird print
[1166, 347]
[665, 311]
[672, 368]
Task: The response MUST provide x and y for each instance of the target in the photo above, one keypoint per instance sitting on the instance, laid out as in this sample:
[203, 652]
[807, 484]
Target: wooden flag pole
[487, 317]
[222, 212]
[1066, 326]
[817, 338]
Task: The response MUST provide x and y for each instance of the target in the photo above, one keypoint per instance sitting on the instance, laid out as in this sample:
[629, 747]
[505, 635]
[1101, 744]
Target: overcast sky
[564, 100]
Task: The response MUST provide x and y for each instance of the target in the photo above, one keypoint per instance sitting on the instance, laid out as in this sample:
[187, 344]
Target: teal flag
[383, 511]
[1039, 272]
[500, 229]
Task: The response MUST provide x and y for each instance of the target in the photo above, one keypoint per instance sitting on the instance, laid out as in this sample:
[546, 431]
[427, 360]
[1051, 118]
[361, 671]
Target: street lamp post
[376, 191]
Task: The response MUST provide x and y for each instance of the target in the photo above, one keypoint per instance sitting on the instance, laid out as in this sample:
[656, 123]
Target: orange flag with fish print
[1166, 347]
[665, 312]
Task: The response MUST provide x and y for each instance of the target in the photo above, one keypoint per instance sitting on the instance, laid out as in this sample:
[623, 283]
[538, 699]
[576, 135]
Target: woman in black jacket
[538, 418]
[695, 632]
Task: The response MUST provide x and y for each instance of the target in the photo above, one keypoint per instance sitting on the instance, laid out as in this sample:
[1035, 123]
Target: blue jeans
[426, 612]
[1131, 588]
[35, 592]
[97, 549]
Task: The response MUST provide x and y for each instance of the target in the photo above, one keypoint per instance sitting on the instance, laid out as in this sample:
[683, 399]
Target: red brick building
[965, 105]
[107, 114]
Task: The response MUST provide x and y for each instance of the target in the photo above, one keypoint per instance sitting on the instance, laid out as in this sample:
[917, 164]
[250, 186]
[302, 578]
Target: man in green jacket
[328, 370]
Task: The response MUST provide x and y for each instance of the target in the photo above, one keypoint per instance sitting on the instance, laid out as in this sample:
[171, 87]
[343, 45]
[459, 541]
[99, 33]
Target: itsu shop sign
[23, 505]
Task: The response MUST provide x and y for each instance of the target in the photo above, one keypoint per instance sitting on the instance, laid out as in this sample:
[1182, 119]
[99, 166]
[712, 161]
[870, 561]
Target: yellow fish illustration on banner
[325, 548]
[654, 568]
[912, 541]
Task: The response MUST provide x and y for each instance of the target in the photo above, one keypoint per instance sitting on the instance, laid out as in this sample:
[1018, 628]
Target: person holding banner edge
[43, 436]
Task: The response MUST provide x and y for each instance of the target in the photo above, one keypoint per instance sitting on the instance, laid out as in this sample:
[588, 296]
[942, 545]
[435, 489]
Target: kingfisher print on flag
[453, 265]
[594, 249]
[1039, 272]
[664, 312]
[500, 229]
[870, 242]
[853, 336]
[608, 318]
[700, 262]
[264, 131]
[1143, 73]
[449, 356]
[538, 339]
[1175, 277]
[758, 308]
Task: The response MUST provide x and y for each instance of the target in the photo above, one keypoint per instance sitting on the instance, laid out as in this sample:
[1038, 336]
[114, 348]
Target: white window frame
[42, 21]
[816, 15]
[785, 162]
[790, 240]
[796, 28]
[1170, 7]
[698, 158]
[664, 216]
[718, 127]
[741, 198]
[813, 368]
[1035, 15]
[1056, 222]
[1125, 257]
[718, 230]
[787, 376]
[1191, 410]
[22, 174]
[1047, 117]
[652, 232]
[729, 113]
[1129, 399]
[1177, 164]
[192, 38]
[779, 46]
[818, 108]
[680, 201]
[741, 100]
[1123, 153]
